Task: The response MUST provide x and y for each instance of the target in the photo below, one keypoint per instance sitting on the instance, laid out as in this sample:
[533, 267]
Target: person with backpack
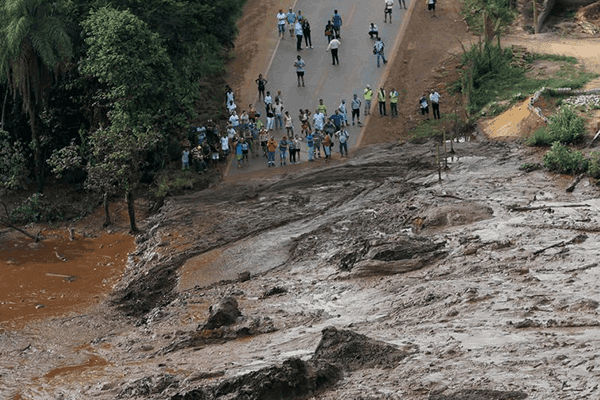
[329, 33]
[378, 50]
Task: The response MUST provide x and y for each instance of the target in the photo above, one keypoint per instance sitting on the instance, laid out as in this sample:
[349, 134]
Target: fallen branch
[574, 183]
[6, 222]
[532, 208]
[576, 239]
[595, 137]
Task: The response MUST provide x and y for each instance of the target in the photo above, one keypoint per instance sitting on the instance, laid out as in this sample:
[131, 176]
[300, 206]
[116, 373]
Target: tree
[34, 47]
[132, 64]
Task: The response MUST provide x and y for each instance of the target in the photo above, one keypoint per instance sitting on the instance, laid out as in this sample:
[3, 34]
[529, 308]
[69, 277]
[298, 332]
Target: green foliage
[564, 127]
[428, 128]
[489, 75]
[34, 209]
[176, 182]
[594, 165]
[563, 160]
[554, 57]
[13, 162]
[474, 10]
[530, 167]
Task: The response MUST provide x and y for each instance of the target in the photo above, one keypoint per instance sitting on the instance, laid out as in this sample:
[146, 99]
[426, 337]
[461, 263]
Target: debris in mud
[391, 256]
[339, 351]
[480, 394]
[275, 290]
[351, 351]
[224, 313]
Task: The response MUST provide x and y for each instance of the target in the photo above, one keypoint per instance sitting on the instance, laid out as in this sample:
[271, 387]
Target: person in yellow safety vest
[381, 100]
[368, 95]
[394, 102]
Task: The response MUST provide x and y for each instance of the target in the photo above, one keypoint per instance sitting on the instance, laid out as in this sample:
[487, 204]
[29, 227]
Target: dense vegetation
[101, 91]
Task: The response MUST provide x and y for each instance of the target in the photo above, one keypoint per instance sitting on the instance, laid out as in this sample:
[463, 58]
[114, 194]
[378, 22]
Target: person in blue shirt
[291, 19]
[337, 119]
[310, 144]
[337, 23]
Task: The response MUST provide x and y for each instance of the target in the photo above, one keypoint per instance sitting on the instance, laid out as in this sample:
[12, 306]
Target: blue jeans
[278, 121]
[282, 155]
[311, 153]
[271, 157]
[380, 54]
[281, 28]
[343, 148]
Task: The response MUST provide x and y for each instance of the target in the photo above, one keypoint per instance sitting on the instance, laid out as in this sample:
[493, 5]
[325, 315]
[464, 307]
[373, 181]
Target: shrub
[594, 165]
[564, 127]
[35, 209]
[563, 160]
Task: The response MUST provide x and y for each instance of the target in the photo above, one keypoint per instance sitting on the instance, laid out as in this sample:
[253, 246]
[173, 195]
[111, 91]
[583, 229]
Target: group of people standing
[318, 131]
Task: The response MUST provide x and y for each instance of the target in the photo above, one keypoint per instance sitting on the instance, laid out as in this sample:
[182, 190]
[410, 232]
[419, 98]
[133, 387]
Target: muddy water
[57, 275]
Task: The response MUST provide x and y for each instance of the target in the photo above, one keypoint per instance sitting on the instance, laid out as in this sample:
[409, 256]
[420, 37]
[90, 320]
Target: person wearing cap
[368, 96]
[381, 101]
[355, 108]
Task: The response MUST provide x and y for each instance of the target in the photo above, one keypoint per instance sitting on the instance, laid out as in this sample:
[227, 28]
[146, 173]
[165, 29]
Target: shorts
[431, 6]
[300, 73]
[388, 10]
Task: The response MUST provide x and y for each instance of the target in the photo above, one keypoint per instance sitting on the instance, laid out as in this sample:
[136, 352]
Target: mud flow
[57, 275]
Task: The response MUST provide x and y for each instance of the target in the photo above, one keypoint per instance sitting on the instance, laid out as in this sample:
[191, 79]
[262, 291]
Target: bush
[594, 165]
[564, 127]
[35, 209]
[563, 160]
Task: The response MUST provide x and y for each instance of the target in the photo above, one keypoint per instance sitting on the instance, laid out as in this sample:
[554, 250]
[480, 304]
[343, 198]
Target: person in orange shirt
[271, 148]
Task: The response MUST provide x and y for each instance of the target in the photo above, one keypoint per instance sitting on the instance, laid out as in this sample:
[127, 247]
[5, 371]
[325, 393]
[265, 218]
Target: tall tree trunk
[106, 211]
[131, 210]
[37, 150]
[4, 108]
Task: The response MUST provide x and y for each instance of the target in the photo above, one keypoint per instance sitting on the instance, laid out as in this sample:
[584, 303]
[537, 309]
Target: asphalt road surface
[332, 83]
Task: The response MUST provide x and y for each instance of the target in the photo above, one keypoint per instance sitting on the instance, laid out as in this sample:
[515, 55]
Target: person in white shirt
[389, 4]
[299, 34]
[333, 46]
[431, 7]
[373, 31]
[318, 120]
[281, 24]
[234, 120]
[434, 98]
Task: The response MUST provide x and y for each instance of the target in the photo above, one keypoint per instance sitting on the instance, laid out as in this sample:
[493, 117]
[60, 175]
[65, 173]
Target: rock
[223, 313]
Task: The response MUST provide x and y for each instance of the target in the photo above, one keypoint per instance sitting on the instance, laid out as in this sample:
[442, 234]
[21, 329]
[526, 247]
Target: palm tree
[34, 48]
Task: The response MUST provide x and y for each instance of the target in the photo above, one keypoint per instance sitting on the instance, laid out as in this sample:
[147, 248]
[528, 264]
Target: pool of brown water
[57, 275]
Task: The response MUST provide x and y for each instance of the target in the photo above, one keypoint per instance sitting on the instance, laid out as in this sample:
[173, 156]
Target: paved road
[332, 83]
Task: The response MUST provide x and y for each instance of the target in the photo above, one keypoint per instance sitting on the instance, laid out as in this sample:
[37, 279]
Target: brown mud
[366, 279]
